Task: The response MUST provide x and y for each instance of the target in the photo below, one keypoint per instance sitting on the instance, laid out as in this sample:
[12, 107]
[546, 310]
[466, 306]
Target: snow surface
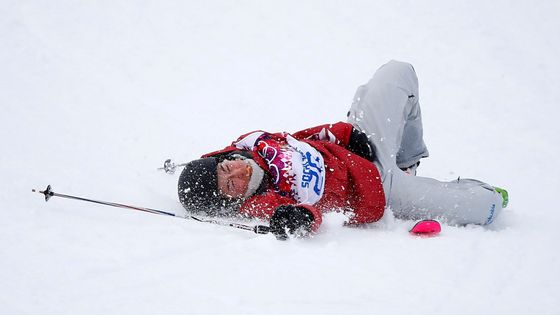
[95, 95]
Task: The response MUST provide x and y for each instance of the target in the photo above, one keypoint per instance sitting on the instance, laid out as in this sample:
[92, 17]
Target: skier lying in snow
[360, 167]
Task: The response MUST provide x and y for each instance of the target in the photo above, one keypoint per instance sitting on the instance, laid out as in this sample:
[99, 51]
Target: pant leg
[463, 201]
[412, 147]
[388, 111]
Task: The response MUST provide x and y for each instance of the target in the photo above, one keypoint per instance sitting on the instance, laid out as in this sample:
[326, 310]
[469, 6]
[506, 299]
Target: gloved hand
[359, 144]
[296, 220]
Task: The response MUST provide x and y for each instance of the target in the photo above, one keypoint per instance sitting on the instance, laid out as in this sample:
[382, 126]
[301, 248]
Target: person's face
[234, 177]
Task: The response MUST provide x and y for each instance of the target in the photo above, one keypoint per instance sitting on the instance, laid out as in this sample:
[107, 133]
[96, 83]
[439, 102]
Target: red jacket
[352, 183]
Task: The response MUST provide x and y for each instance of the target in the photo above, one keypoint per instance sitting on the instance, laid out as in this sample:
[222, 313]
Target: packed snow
[95, 95]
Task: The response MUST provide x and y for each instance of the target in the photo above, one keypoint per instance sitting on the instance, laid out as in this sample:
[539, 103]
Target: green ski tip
[505, 196]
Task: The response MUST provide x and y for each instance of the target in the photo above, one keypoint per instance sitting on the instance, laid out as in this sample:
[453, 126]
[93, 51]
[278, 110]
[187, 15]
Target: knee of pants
[404, 76]
[399, 64]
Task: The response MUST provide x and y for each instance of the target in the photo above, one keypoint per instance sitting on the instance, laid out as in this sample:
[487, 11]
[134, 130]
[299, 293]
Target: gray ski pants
[388, 111]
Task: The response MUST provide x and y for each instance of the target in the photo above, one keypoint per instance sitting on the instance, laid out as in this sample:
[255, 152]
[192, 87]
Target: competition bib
[309, 167]
[296, 168]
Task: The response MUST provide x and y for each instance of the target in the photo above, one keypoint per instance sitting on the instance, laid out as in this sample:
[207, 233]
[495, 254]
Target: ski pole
[259, 229]
[169, 166]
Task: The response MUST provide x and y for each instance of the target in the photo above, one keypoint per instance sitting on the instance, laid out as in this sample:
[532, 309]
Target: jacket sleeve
[263, 207]
[368, 199]
[244, 142]
[338, 133]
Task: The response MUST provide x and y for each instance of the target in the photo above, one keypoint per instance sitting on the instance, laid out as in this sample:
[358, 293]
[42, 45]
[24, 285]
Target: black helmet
[198, 186]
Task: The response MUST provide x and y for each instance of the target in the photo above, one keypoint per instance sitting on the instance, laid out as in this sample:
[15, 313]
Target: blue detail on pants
[491, 217]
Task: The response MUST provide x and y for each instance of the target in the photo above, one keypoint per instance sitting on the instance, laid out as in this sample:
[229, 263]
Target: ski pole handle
[261, 229]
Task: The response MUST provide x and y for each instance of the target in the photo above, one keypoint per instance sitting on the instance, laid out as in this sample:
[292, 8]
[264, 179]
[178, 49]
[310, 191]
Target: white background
[94, 95]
